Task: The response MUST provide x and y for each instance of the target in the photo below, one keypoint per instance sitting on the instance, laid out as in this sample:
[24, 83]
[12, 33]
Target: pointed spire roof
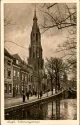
[35, 18]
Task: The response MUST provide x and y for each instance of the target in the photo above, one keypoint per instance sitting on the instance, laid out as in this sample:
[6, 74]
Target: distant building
[8, 74]
[72, 84]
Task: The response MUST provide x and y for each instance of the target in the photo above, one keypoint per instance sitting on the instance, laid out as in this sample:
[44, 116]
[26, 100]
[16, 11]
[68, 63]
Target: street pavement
[16, 101]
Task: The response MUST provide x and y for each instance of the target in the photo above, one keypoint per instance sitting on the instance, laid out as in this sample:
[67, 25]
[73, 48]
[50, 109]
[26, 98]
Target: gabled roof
[6, 53]
[16, 56]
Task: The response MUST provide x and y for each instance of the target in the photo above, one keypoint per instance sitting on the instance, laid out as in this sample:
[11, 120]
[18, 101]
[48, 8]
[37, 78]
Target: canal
[58, 109]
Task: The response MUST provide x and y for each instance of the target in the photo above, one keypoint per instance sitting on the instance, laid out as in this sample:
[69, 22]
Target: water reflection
[52, 110]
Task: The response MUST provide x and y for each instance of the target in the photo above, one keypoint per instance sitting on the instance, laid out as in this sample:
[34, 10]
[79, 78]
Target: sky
[21, 16]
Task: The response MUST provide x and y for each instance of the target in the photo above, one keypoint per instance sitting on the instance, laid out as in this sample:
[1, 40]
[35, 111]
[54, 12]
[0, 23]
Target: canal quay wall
[27, 104]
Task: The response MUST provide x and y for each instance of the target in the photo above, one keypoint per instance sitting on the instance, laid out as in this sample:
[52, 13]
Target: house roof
[6, 53]
[16, 56]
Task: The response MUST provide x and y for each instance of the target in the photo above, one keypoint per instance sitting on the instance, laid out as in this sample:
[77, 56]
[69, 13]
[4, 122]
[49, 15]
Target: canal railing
[27, 104]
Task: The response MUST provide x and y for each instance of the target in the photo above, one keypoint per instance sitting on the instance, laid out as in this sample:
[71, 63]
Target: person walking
[40, 94]
[23, 97]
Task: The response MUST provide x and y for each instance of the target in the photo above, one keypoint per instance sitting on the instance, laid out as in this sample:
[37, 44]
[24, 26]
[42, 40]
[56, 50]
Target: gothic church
[35, 49]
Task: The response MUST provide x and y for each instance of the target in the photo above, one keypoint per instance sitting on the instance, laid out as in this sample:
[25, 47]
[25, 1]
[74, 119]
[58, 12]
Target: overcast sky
[21, 16]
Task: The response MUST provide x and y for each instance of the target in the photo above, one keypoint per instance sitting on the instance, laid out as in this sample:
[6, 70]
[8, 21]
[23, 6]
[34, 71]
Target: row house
[16, 75]
[26, 77]
[8, 74]
[22, 76]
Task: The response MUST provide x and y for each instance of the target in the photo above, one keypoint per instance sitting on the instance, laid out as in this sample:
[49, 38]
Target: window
[5, 88]
[17, 89]
[9, 74]
[10, 88]
[22, 88]
[18, 74]
[22, 77]
[14, 73]
[17, 62]
[9, 62]
[29, 78]
[25, 78]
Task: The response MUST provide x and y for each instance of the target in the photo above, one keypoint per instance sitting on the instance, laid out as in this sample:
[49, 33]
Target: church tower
[35, 49]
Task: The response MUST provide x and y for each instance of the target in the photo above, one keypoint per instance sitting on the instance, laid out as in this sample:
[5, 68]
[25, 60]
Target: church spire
[35, 50]
[35, 18]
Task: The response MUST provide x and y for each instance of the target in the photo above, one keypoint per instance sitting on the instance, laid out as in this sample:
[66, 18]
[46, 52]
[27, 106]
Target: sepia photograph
[40, 61]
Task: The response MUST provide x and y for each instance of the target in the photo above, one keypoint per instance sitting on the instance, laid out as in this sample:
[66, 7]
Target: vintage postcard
[40, 62]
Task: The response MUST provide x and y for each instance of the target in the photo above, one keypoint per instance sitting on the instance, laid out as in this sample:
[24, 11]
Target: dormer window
[17, 62]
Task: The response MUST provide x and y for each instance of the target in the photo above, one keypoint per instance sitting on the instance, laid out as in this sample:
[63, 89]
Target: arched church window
[33, 52]
[38, 53]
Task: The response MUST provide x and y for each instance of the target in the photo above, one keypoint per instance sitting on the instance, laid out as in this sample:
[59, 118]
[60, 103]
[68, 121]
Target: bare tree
[7, 23]
[58, 15]
[55, 69]
[7, 20]
[69, 52]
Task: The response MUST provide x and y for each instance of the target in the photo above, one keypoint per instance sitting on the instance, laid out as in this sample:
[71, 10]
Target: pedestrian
[40, 94]
[23, 97]
[28, 95]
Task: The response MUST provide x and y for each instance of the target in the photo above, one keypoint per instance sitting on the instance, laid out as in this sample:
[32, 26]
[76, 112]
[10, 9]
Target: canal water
[52, 110]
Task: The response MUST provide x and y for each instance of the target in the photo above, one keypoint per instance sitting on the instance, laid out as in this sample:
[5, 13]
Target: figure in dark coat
[40, 94]
[27, 94]
[23, 97]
